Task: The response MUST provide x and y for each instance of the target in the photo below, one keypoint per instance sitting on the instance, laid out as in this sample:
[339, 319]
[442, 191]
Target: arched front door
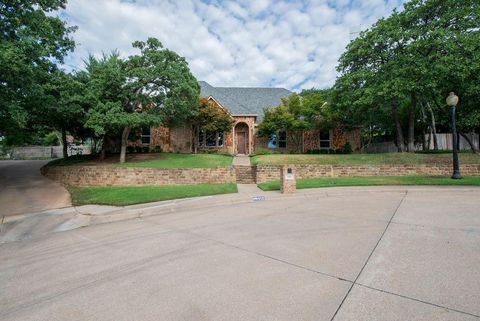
[241, 139]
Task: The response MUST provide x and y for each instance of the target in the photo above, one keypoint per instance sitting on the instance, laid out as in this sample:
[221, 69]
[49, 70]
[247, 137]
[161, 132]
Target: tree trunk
[411, 125]
[104, 147]
[469, 141]
[434, 127]
[425, 144]
[123, 149]
[194, 139]
[64, 143]
[398, 125]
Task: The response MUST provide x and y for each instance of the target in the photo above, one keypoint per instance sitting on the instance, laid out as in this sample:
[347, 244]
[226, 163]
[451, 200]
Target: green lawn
[374, 180]
[127, 195]
[365, 159]
[163, 160]
[167, 160]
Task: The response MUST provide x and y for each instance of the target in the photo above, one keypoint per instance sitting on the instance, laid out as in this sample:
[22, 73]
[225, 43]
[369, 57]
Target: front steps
[245, 174]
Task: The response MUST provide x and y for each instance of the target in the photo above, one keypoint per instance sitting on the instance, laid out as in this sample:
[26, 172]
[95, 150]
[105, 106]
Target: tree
[410, 59]
[210, 117]
[64, 104]
[296, 114]
[152, 88]
[33, 42]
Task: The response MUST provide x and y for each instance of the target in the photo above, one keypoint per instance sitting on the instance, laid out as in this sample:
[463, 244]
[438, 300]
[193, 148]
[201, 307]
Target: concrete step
[245, 174]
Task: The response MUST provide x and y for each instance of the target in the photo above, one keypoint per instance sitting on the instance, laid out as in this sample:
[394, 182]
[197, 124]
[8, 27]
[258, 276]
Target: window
[145, 136]
[211, 139]
[282, 139]
[324, 139]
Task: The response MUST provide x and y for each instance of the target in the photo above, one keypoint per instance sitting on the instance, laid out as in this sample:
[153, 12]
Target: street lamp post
[452, 101]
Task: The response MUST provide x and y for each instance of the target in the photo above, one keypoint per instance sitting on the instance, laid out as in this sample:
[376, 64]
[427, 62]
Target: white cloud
[231, 43]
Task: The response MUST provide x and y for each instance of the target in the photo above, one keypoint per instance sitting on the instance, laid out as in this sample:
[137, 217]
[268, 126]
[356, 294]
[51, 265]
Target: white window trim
[204, 139]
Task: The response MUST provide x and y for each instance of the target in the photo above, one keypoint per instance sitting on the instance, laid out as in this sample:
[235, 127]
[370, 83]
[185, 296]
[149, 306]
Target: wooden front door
[241, 139]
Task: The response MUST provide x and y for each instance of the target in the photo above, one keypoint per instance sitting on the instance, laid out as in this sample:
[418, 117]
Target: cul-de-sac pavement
[371, 253]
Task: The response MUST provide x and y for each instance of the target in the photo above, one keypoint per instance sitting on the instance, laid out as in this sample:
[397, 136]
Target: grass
[127, 195]
[365, 159]
[374, 181]
[167, 160]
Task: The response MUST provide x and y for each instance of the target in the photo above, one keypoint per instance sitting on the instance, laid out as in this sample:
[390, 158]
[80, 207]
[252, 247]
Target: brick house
[245, 104]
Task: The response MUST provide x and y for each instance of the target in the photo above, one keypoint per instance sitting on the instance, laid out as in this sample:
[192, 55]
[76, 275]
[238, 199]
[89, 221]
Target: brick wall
[124, 176]
[271, 172]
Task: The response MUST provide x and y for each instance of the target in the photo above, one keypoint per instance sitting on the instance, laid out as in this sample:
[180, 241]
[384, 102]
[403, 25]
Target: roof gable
[244, 100]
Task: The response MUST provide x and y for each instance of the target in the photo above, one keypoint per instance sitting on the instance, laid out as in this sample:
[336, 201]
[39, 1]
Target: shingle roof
[244, 100]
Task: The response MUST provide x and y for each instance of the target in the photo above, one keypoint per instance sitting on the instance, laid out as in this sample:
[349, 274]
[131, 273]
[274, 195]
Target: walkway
[241, 160]
[24, 190]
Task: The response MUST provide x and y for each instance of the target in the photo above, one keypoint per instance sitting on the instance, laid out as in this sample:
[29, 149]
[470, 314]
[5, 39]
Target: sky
[251, 43]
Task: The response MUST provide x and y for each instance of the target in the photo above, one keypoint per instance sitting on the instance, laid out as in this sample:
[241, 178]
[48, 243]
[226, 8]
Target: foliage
[33, 42]
[264, 151]
[295, 114]
[51, 139]
[148, 89]
[408, 61]
[212, 117]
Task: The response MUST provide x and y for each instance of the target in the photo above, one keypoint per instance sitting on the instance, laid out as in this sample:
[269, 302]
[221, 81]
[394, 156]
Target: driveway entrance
[23, 189]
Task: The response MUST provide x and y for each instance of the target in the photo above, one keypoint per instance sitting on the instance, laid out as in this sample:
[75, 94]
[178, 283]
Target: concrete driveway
[24, 190]
[341, 254]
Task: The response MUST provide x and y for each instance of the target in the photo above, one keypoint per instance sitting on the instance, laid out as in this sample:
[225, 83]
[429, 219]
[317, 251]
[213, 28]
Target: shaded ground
[24, 190]
[339, 254]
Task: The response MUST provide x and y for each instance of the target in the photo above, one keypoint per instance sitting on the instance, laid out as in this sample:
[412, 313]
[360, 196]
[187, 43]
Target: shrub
[51, 139]
[347, 149]
[265, 151]
[138, 149]
[130, 149]
[145, 149]
[158, 149]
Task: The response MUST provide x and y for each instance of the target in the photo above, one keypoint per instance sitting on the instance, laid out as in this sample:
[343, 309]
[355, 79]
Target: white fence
[444, 143]
[47, 151]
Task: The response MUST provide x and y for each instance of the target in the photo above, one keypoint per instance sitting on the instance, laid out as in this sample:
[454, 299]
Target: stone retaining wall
[271, 172]
[124, 176]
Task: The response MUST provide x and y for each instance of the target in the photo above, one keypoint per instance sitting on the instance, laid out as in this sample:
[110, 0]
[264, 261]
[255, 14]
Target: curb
[124, 213]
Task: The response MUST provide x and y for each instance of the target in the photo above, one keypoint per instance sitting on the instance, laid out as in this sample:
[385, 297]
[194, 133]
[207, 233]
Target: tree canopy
[32, 43]
[407, 61]
[152, 88]
[297, 113]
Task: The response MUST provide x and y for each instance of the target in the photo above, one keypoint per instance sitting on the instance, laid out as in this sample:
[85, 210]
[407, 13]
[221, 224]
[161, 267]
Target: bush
[138, 149]
[158, 149]
[130, 149]
[347, 149]
[51, 139]
[145, 149]
[265, 151]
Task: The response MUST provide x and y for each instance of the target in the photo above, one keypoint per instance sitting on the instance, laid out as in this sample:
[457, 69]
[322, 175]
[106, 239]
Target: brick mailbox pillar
[288, 183]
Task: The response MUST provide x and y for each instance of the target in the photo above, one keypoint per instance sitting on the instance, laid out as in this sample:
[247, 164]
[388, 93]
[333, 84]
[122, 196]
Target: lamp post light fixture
[452, 101]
